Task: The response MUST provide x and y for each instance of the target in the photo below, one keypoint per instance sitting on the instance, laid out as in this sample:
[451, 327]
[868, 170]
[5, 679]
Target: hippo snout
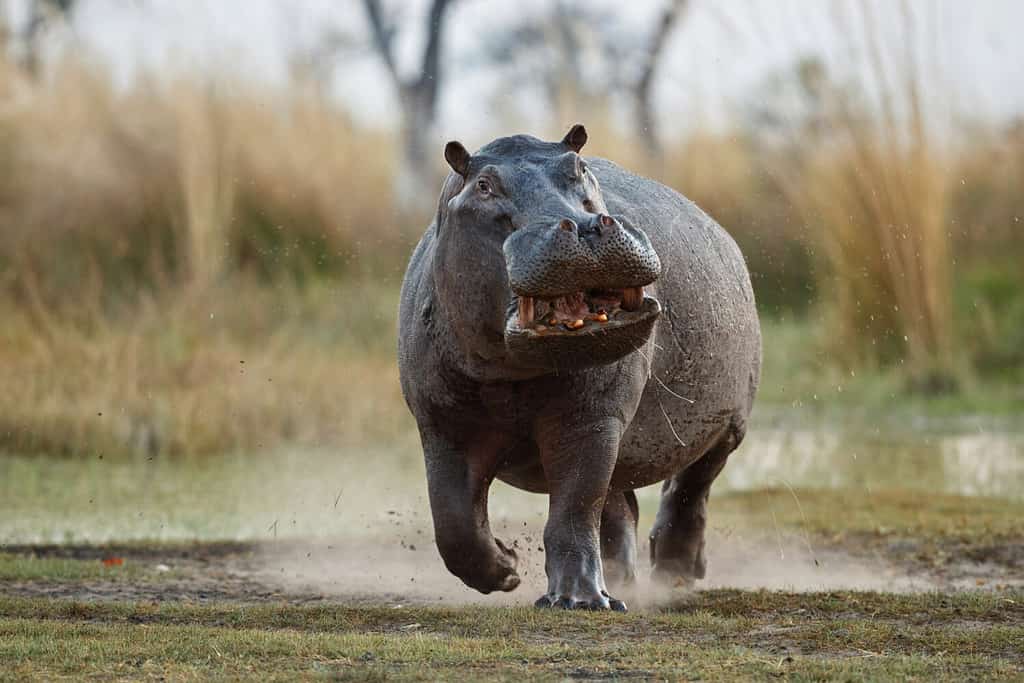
[598, 251]
[579, 291]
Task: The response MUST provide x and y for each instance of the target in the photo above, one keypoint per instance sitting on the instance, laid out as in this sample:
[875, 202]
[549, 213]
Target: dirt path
[372, 572]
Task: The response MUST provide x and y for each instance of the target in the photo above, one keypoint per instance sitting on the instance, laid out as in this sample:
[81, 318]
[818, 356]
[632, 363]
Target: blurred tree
[417, 96]
[643, 86]
[313, 63]
[27, 35]
[560, 53]
[582, 57]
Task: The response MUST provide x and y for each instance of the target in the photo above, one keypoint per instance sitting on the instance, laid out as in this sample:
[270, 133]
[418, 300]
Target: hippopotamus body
[573, 329]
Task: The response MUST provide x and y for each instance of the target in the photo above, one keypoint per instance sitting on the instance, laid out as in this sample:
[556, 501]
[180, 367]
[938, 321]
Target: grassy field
[207, 469]
[184, 610]
[844, 519]
[246, 367]
[718, 635]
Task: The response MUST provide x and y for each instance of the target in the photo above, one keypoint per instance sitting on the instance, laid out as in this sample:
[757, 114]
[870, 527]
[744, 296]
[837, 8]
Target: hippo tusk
[632, 298]
[525, 311]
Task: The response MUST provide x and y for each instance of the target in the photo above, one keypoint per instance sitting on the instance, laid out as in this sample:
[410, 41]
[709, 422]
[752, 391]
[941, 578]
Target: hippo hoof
[509, 583]
[490, 583]
[508, 563]
[602, 602]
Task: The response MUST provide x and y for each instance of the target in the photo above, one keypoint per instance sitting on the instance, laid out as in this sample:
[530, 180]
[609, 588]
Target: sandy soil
[409, 572]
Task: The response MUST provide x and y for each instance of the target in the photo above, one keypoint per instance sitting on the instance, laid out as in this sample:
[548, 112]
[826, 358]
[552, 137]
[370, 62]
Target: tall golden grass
[193, 267]
[873, 177]
[184, 181]
[239, 366]
[879, 204]
[155, 245]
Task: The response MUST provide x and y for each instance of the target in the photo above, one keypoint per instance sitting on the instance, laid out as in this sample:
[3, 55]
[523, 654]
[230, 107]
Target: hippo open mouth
[582, 329]
[593, 309]
[579, 291]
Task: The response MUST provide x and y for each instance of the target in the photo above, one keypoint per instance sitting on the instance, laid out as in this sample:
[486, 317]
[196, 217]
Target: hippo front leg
[578, 463]
[458, 480]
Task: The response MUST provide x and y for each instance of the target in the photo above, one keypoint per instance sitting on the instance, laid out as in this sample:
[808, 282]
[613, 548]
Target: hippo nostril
[567, 225]
[605, 224]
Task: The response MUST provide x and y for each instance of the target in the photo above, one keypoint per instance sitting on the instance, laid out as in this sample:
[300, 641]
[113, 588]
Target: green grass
[891, 512]
[715, 635]
[802, 379]
[27, 567]
[709, 635]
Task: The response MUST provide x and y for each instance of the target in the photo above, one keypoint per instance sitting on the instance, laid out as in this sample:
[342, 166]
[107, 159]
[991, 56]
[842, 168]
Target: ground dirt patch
[375, 572]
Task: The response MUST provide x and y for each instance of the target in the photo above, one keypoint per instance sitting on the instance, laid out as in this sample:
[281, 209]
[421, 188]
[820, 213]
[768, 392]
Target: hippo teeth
[586, 310]
[632, 298]
[525, 311]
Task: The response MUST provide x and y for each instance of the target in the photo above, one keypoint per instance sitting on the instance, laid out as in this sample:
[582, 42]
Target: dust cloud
[393, 560]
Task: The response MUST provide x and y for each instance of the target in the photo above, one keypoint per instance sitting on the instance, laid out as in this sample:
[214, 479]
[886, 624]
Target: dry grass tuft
[235, 368]
[181, 183]
[881, 208]
[872, 182]
[154, 238]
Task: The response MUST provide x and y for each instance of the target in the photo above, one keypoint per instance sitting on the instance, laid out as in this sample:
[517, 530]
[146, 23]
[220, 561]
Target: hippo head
[540, 272]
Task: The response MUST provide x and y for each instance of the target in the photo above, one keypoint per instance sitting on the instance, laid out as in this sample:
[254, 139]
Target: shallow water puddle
[381, 490]
[981, 462]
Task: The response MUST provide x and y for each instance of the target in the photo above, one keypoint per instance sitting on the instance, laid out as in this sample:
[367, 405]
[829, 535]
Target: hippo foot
[677, 559]
[502, 575]
[494, 571]
[507, 583]
[597, 603]
[679, 572]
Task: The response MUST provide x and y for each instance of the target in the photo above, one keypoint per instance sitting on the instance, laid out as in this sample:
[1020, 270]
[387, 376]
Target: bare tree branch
[417, 95]
[643, 90]
[42, 14]
[430, 71]
[382, 38]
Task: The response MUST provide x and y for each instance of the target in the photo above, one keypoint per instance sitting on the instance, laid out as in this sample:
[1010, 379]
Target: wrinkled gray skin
[670, 406]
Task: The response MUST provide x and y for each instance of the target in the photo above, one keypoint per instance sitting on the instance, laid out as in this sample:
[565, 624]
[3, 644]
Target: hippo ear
[575, 138]
[457, 157]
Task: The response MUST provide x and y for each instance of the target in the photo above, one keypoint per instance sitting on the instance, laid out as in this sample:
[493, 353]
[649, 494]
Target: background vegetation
[192, 266]
[199, 275]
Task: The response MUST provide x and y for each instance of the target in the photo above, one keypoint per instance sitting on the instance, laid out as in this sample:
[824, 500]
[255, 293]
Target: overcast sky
[717, 60]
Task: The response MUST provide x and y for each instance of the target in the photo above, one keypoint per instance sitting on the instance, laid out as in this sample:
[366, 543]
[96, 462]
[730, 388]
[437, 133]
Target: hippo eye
[483, 186]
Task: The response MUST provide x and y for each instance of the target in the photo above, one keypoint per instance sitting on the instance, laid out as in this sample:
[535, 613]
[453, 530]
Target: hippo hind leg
[618, 538]
[677, 538]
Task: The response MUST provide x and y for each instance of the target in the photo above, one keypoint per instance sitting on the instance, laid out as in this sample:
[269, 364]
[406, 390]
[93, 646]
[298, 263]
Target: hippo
[574, 329]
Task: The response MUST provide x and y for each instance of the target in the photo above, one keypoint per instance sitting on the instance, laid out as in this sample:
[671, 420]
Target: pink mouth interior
[579, 310]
